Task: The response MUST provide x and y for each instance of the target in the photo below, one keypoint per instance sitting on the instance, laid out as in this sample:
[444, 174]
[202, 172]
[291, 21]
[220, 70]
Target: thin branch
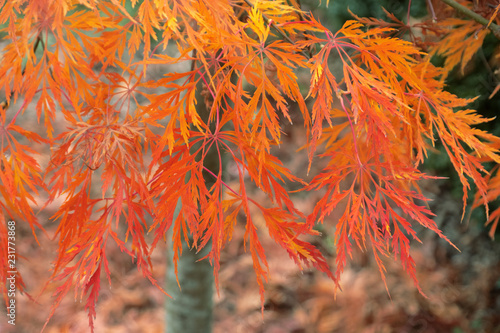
[431, 9]
[475, 16]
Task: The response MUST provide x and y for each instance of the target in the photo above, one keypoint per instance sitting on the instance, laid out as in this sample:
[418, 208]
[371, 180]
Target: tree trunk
[190, 308]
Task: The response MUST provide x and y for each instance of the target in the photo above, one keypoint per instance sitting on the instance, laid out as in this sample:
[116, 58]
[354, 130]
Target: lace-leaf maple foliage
[141, 144]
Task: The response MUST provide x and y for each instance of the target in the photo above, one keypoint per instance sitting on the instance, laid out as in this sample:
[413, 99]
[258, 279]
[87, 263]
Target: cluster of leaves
[147, 143]
[458, 38]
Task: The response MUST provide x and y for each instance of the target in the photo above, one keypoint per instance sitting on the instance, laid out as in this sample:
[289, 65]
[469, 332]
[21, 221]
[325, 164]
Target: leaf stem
[431, 9]
[495, 29]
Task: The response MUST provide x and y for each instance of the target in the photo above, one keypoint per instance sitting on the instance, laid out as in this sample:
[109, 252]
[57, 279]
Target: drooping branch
[495, 29]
